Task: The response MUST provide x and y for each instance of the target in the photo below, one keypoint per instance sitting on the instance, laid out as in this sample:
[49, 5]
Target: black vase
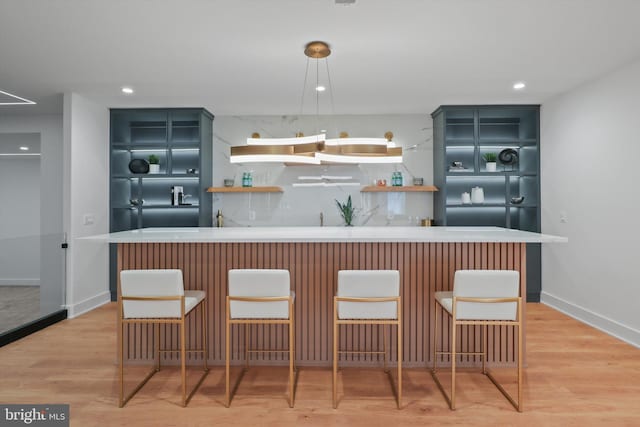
[139, 166]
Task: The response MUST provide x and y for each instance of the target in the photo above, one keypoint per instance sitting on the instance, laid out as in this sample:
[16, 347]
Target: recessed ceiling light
[127, 90]
[23, 148]
[321, 88]
[519, 85]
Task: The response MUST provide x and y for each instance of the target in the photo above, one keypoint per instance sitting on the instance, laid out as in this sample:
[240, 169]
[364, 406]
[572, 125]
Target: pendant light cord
[304, 86]
[333, 111]
[317, 96]
[330, 88]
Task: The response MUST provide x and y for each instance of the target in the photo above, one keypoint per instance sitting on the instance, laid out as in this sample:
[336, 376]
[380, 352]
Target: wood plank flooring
[576, 376]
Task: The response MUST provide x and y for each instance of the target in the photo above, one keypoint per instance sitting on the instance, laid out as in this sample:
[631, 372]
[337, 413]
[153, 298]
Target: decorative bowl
[418, 181]
[228, 182]
[508, 156]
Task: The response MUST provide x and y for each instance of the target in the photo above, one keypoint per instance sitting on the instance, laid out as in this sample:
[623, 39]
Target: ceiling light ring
[317, 149]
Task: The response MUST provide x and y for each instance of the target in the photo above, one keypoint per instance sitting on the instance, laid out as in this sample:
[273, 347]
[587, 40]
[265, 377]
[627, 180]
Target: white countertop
[326, 234]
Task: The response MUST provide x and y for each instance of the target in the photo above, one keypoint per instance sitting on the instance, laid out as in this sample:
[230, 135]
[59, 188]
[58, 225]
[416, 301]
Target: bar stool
[485, 298]
[259, 297]
[367, 297]
[158, 297]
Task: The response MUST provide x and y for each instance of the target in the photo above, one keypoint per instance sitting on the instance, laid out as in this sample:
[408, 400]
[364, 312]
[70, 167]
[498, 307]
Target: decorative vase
[477, 195]
[154, 168]
[139, 166]
[491, 166]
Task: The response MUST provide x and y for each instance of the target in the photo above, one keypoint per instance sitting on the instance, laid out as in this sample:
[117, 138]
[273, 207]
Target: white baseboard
[609, 326]
[75, 310]
[19, 282]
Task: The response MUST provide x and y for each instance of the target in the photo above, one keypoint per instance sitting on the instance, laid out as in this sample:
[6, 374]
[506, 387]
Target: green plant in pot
[347, 211]
[491, 159]
[154, 164]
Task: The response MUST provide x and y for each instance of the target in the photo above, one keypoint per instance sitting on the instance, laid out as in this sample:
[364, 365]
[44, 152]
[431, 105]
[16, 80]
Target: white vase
[477, 195]
[491, 166]
[154, 168]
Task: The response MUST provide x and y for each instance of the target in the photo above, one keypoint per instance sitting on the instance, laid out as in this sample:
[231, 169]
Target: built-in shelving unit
[399, 189]
[181, 138]
[464, 134]
[266, 189]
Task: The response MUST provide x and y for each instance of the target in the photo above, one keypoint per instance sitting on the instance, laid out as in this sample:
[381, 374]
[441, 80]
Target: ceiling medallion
[317, 50]
[317, 149]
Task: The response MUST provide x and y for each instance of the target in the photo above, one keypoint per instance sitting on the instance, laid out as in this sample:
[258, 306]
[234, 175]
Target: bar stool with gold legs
[367, 297]
[259, 297]
[158, 297]
[480, 298]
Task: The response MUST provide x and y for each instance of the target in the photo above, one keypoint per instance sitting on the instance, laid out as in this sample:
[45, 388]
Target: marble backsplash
[302, 206]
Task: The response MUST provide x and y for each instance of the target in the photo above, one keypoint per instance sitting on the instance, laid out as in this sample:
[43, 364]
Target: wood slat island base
[425, 268]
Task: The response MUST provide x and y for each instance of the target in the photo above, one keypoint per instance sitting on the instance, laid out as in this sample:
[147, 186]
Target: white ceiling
[245, 56]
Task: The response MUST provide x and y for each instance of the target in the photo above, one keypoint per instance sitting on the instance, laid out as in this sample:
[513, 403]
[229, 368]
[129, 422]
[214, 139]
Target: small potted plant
[347, 211]
[490, 158]
[154, 164]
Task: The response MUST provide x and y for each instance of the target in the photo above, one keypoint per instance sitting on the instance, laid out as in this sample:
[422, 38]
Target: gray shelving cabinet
[182, 139]
[464, 133]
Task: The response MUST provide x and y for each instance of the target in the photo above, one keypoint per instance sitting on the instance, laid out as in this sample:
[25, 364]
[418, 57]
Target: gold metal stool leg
[227, 396]
[399, 357]
[183, 362]
[291, 362]
[335, 357]
[452, 405]
[157, 327]
[384, 346]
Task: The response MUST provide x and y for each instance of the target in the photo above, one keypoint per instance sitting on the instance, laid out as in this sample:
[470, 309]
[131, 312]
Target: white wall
[302, 205]
[49, 127]
[20, 220]
[86, 138]
[589, 156]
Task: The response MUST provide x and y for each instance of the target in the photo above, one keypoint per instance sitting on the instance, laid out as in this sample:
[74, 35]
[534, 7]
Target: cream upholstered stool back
[369, 297]
[258, 297]
[155, 283]
[480, 298]
[158, 297]
[258, 284]
[368, 284]
[486, 284]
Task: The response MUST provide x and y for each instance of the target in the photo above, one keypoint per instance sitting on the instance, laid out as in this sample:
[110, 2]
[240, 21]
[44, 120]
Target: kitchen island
[426, 257]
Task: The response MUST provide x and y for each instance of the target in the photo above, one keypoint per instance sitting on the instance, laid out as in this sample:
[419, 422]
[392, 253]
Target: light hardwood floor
[576, 376]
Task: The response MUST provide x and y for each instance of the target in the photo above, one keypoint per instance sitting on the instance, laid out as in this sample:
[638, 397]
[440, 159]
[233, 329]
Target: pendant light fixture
[316, 149]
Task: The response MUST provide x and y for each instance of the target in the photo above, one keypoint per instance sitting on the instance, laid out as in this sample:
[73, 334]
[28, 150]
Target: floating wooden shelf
[402, 189]
[244, 189]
